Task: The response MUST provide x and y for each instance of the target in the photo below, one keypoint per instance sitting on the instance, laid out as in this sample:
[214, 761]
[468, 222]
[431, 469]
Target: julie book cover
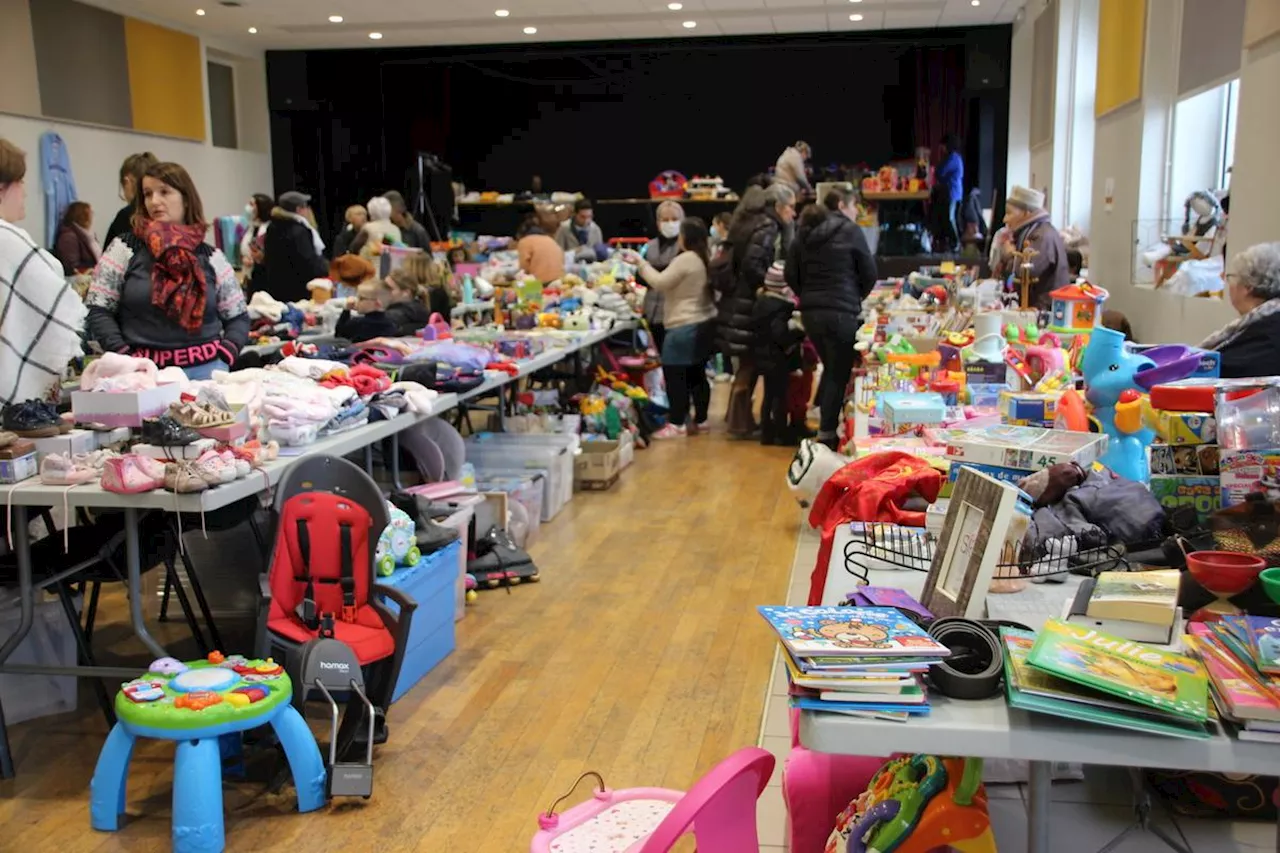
[1145, 675]
[870, 632]
[1029, 689]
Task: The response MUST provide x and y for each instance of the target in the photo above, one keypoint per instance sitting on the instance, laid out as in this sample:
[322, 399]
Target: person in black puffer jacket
[752, 247]
[831, 269]
[292, 252]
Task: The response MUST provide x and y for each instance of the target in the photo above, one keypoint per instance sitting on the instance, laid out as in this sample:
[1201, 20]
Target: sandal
[199, 415]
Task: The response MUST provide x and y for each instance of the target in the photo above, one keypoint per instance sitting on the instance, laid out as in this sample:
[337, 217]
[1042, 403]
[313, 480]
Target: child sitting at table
[371, 301]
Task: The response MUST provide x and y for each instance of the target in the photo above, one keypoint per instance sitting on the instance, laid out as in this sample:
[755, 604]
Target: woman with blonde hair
[41, 315]
[659, 252]
[161, 292]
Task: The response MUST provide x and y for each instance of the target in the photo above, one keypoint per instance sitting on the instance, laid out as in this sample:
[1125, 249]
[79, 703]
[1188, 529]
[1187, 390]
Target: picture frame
[972, 540]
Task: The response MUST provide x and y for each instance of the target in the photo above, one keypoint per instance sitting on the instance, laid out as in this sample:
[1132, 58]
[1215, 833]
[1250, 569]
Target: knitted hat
[776, 276]
[350, 269]
[1026, 199]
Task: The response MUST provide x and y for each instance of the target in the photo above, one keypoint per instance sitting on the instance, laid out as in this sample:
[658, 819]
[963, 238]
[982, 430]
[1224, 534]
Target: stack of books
[864, 661]
[1082, 673]
[1140, 606]
[1242, 656]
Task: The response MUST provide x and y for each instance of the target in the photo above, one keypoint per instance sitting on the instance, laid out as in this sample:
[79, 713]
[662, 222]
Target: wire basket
[890, 546]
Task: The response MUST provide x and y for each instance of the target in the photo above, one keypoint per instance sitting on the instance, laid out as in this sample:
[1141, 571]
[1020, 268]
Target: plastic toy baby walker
[397, 545]
[918, 804]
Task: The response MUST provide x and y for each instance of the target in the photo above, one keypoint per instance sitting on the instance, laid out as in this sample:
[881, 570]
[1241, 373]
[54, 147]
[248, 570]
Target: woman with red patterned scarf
[161, 292]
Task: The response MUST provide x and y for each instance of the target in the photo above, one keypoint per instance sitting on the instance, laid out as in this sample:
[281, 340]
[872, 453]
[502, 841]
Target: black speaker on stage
[287, 86]
[986, 59]
[430, 197]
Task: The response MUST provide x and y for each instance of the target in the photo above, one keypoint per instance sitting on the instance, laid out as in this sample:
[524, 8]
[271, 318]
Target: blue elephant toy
[1109, 371]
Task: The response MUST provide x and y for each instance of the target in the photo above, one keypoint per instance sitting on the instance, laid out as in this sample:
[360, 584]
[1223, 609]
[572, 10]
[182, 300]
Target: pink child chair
[816, 787]
[720, 808]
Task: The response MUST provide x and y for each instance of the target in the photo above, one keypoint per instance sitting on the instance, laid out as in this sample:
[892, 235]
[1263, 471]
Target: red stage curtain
[940, 98]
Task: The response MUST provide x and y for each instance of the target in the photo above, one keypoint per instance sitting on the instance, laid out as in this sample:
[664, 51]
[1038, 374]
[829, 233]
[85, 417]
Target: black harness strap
[307, 611]
[347, 577]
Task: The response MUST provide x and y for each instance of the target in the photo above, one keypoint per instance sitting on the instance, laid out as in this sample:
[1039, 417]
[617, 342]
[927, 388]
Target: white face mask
[249, 211]
[669, 229]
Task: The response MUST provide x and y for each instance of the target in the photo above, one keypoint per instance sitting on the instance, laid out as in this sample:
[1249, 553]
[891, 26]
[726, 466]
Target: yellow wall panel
[1122, 37]
[166, 80]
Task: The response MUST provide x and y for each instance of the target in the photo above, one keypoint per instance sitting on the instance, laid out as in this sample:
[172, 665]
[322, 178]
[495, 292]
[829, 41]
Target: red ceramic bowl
[1224, 572]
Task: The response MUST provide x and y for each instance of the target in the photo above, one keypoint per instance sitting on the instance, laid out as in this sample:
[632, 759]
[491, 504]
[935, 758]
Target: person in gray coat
[580, 234]
[659, 252]
[1029, 227]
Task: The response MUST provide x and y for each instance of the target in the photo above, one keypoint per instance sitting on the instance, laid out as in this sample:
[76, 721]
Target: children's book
[910, 695]
[1150, 597]
[1145, 675]
[1057, 697]
[813, 703]
[1240, 695]
[845, 681]
[1262, 634]
[866, 632]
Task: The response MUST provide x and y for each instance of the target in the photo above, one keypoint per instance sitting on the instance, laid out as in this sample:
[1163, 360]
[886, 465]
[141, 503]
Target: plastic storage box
[552, 453]
[431, 639]
[525, 488]
[27, 697]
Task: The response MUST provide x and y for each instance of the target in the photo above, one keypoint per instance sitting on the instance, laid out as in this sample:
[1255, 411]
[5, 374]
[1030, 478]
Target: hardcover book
[867, 632]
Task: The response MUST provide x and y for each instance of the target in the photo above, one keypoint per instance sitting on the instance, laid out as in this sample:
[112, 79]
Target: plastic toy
[1109, 371]
[1076, 307]
[918, 804]
[719, 811]
[203, 707]
[470, 583]
[668, 184]
[397, 545]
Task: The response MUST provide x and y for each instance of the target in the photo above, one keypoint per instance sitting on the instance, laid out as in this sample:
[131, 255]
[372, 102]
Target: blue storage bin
[431, 583]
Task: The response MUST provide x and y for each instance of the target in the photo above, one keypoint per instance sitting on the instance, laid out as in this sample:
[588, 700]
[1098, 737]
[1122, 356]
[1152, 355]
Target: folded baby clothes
[263, 304]
[310, 368]
[419, 397]
[118, 372]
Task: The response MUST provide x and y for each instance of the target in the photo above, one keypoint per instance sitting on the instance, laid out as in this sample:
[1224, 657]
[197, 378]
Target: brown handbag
[1252, 527]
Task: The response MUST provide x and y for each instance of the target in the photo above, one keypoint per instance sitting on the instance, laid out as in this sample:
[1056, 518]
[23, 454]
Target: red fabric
[505, 366]
[365, 379]
[940, 100]
[869, 489]
[178, 284]
[799, 392]
[324, 512]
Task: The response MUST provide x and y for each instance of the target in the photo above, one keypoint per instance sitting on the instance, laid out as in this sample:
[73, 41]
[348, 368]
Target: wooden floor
[639, 655]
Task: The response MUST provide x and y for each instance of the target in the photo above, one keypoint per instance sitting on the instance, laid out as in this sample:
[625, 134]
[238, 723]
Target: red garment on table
[870, 489]
[365, 379]
[505, 366]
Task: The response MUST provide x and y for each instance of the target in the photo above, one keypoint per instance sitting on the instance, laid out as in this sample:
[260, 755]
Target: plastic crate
[431, 583]
[50, 642]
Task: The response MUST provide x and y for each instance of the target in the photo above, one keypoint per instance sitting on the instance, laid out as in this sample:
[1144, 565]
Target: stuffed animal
[397, 546]
[812, 466]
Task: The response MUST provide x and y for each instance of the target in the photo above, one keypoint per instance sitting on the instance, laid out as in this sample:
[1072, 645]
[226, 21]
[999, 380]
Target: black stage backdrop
[605, 119]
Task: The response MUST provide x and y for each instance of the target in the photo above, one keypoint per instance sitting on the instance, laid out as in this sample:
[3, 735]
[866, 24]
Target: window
[1204, 143]
[222, 105]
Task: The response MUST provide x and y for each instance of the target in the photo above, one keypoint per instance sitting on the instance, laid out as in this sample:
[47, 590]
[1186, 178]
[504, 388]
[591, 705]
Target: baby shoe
[131, 475]
[183, 478]
[31, 419]
[200, 415]
[60, 469]
[231, 460]
[167, 432]
[214, 468]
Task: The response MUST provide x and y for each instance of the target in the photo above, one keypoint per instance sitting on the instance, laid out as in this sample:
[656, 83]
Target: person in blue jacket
[950, 180]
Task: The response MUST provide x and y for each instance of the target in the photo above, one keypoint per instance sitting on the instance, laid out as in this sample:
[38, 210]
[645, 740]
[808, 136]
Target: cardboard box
[113, 438]
[1202, 493]
[1028, 408]
[18, 469]
[995, 472]
[1184, 461]
[1242, 472]
[1024, 448]
[76, 441]
[186, 451]
[626, 450]
[123, 409]
[1183, 427]
[598, 465]
[899, 408]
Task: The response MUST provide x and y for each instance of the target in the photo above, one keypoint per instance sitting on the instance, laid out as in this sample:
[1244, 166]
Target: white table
[22, 496]
[991, 729]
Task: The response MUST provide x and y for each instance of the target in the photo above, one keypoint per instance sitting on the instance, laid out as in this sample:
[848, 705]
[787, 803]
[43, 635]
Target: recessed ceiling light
[675, 7]
[855, 1]
[501, 13]
[530, 31]
[253, 31]
[335, 19]
[855, 17]
[375, 36]
[975, 2]
[200, 11]
[688, 25]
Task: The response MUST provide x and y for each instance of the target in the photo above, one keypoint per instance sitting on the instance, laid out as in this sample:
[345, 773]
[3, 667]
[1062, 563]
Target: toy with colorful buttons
[218, 689]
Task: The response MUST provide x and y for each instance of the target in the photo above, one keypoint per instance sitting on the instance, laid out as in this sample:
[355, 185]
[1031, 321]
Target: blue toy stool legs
[305, 763]
[107, 789]
[197, 797]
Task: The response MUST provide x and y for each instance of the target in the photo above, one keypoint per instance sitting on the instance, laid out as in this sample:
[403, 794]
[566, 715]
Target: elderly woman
[1029, 228]
[1250, 344]
[377, 231]
[659, 252]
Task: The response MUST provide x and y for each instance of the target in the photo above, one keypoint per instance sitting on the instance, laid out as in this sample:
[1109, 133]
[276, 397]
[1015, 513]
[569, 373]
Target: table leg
[309, 775]
[395, 462]
[110, 779]
[133, 565]
[1039, 793]
[197, 797]
[26, 597]
[368, 459]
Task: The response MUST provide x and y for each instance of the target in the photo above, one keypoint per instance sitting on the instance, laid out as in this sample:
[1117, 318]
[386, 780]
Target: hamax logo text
[339, 666]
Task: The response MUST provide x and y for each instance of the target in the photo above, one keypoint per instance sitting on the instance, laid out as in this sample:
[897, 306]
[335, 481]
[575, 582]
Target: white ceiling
[292, 24]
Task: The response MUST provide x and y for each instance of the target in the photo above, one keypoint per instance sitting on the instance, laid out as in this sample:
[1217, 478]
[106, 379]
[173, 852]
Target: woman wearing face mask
[831, 269]
[258, 212]
[41, 326]
[660, 252]
[163, 293]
